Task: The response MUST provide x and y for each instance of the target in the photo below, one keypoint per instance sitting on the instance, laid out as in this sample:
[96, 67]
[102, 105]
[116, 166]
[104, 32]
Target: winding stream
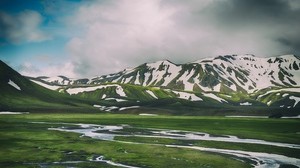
[257, 159]
[101, 159]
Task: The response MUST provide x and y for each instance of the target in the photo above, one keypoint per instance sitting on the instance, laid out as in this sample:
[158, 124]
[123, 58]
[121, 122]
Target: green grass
[215, 144]
[277, 130]
[25, 144]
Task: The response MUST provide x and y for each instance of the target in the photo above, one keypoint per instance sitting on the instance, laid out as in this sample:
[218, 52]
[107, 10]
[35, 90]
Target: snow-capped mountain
[235, 79]
[235, 73]
[245, 73]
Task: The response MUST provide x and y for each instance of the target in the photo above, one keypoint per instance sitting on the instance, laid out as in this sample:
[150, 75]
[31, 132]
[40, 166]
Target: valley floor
[116, 140]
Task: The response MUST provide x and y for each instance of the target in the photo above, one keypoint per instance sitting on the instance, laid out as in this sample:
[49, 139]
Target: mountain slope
[242, 81]
[244, 73]
[19, 93]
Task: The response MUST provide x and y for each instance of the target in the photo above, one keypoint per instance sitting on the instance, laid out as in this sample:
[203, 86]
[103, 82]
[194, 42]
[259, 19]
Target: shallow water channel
[257, 159]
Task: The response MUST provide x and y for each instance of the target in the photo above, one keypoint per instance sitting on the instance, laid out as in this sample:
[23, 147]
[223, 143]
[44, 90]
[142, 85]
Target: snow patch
[58, 80]
[298, 116]
[280, 90]
[131, 107]
[246, 104]
[13, 84]
[297, 99]
[106, 108]
[210, 95]
[147, 76]
[127, 80]
[119, 89]
[147, 114]
[173, 71]
[184, 78]
[229, 96]
[51, 87]
[8, 112]
[248, 116]
[217, 88]
[137, 79]
[118, 100]
[233, 87]
[284, 95]
[151, 93]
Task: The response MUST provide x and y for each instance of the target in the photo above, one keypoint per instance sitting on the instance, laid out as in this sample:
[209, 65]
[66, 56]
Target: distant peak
[226, 57]
[164, 62]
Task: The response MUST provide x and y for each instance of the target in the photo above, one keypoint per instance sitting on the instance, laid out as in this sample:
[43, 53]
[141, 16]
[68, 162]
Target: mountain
[245, 73]
[19, 93]
[232, 81]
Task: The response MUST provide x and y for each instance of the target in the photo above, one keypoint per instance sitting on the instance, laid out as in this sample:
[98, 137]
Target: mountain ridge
[213, 71]
[217, 85]
[17, 93]
[239, 80]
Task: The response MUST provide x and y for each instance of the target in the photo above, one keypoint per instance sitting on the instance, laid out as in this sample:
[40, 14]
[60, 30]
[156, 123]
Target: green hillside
[18, 93]
[28, 96]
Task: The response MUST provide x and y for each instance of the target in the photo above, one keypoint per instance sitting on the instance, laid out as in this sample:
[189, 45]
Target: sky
[86, 38]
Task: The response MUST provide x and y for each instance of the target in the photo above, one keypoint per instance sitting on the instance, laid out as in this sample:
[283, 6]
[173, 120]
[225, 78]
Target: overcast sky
[88, 38]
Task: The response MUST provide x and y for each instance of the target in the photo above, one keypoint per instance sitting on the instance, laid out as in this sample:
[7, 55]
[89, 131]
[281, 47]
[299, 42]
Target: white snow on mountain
[211, 95]
[76, 90]
[130, 107]
[222, 75]
[163, 70]
[246, 104]
[281, 90]
[117, 100]
[188, 86]
[297, 99]
[103, 96]
[172, 72]
[13, 84]
[137, 80]
[147, 76]
[51, 87]
[151, 94]
[211, 74]
[60, 80]
[120, 91]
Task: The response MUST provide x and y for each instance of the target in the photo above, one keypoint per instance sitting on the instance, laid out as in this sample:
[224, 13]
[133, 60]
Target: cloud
[33, 70]
[274, 22]
[125, 33]
[128, 33]
[22, 27]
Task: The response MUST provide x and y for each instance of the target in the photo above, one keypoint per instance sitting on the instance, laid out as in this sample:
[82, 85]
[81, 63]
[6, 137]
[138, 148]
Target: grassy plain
[26, 144]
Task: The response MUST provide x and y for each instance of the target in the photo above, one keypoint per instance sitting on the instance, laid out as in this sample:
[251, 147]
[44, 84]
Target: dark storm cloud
[259, 11]
[127, 33]
[276, 19]
[293, 43]
[106, 36]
